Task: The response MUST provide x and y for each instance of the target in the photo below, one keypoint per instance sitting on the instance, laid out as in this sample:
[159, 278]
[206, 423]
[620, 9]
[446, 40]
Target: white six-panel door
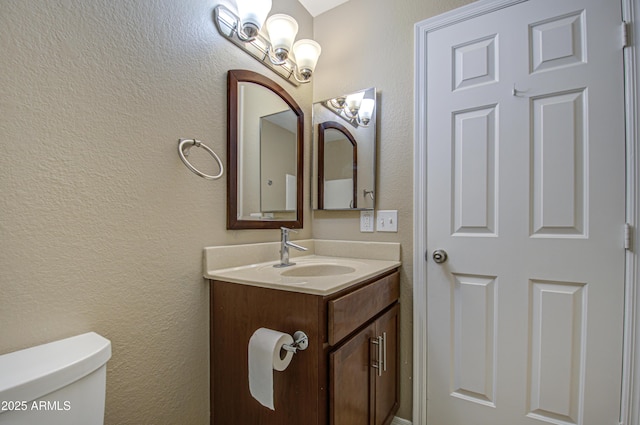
[526, 195]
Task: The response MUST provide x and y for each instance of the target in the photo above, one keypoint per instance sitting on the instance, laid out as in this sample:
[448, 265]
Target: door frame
[630, 397]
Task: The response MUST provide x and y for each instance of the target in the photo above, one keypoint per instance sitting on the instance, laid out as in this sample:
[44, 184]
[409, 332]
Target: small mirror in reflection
[338, 178]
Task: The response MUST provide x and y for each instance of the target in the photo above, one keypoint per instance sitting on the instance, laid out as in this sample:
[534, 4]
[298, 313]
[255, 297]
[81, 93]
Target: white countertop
[343, 271]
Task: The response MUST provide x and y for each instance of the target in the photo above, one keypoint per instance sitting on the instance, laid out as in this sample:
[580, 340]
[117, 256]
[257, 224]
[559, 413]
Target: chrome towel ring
[185, 153]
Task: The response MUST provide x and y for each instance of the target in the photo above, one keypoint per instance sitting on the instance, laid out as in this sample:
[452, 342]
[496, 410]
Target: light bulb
[353, 103]
[338, 102]
[307, 53]
[366, 110]
[252, 14]
[282, 31]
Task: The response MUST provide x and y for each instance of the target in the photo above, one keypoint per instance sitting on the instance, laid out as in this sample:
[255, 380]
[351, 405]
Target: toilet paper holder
[300, 342]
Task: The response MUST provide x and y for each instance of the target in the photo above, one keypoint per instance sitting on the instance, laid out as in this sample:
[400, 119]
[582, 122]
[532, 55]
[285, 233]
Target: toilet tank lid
[31, 373]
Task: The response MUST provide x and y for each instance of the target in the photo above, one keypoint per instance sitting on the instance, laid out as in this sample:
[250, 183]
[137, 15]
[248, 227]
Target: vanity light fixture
[353, 108]
[251, 16]
[282, 30]
[366, 111]
[352, 104]
[338, 102]
[274, 47]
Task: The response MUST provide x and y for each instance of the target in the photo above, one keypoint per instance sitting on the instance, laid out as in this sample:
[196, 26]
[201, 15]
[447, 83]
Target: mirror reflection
[265, 154]
[338, 177]
[278, 163]
[345, 149]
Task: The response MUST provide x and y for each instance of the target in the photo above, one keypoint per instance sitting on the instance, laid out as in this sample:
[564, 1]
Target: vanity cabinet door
[364, 374]
[351, 380]
[386, 383]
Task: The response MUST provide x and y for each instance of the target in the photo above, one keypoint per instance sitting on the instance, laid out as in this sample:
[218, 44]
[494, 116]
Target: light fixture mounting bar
[227, 23]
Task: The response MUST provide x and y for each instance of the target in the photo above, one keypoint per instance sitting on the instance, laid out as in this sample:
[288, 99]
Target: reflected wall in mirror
[345, 152]
[278, 163]
[264, 154]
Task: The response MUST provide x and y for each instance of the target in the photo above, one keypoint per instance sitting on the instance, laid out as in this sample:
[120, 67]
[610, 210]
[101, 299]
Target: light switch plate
[387, 221]
[366, 221]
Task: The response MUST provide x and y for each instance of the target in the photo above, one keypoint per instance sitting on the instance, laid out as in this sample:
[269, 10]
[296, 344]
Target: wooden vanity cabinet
[336, 380]
[366, 395]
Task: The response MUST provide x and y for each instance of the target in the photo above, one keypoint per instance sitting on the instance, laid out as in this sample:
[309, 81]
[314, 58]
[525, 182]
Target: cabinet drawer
[352, 310]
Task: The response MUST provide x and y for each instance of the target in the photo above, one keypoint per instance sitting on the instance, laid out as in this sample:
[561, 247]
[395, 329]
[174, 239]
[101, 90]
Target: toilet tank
[59, 383]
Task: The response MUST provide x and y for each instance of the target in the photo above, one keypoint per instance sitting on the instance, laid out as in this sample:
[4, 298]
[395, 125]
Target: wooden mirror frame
[234, 77]
[342, 129]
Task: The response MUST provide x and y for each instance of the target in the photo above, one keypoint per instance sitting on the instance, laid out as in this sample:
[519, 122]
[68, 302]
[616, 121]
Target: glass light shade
[353, 102]
[366, 110]
[338, 102]
[252, 14]
[307, 53]
[282, 31]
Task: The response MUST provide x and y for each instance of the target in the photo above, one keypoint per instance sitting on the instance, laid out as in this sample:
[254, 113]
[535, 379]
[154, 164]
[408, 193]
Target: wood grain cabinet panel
[348, 312]
[351, 376]
[386, 383]
[364, 374]
[313, 390]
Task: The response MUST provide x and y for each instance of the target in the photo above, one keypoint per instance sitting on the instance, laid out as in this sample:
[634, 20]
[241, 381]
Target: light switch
[387, 221]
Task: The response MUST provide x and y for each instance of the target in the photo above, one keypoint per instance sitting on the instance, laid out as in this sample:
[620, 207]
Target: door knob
[439, 256]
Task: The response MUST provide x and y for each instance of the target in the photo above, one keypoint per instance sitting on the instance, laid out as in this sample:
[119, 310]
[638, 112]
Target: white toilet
[60, 383]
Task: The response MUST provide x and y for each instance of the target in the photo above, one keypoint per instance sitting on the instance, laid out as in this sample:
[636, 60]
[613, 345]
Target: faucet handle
[287, 230]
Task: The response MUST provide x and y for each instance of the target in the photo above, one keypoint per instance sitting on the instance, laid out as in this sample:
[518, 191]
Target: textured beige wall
[369, 43]
[101, 226]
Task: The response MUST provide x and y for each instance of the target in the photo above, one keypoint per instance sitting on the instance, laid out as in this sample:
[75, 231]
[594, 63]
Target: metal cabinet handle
[384, 351]
[378, 364]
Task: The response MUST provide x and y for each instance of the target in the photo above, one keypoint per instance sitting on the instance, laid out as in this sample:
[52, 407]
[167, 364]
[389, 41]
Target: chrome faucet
[285, 243]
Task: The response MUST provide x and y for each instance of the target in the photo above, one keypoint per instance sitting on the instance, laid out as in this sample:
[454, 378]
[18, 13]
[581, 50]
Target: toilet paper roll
[264, 358]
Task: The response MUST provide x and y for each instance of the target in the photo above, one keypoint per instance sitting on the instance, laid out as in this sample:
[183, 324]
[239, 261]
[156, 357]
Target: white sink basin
[311, 274]
[309, 270]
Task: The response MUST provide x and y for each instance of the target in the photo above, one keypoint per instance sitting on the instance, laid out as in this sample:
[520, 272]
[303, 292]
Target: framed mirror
[345, 152]
[264, 154]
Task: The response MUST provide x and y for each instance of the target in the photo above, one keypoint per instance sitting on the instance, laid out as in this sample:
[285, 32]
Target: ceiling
[316, 7]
